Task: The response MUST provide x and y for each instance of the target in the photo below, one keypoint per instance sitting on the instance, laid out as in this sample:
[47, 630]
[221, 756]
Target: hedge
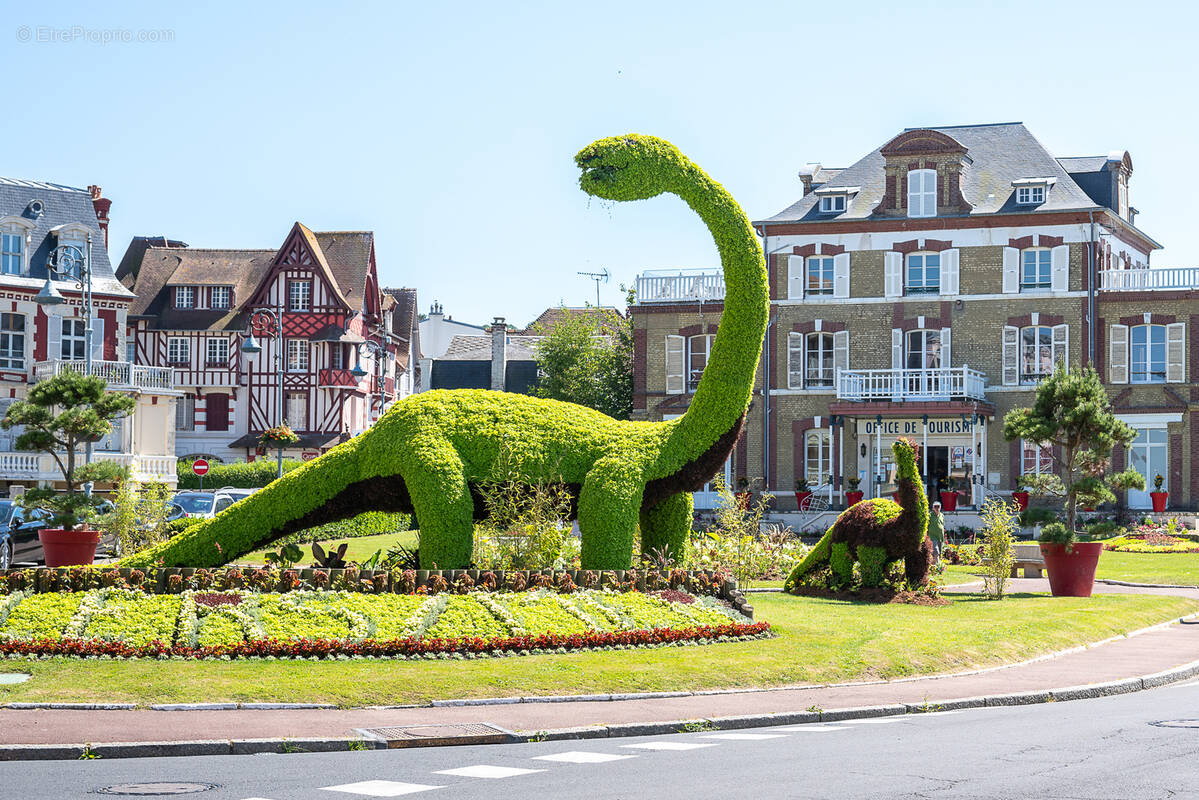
[236, 474]
[427, 451]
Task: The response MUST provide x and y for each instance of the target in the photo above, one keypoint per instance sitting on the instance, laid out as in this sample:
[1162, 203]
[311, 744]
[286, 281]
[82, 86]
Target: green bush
[1057, 533]
[1037, 516]
[237, 474]
[368, 523]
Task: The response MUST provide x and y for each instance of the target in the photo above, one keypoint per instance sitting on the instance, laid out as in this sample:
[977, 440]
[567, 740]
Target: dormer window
[832, 204]
[185, 297]
[220, 296]
[922, 193]
[1032, 191]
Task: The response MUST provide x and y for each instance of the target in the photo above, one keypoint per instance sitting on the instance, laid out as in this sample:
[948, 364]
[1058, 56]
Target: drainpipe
[1091, 354]
[766, 369]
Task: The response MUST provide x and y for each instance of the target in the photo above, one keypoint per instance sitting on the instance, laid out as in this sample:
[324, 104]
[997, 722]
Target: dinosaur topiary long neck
[724, 390]
[912, 498]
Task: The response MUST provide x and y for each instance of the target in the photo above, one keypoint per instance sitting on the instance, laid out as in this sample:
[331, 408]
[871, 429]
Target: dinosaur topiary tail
[816, 558]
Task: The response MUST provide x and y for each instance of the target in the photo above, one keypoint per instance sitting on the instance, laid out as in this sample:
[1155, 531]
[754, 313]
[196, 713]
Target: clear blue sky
[449, 129]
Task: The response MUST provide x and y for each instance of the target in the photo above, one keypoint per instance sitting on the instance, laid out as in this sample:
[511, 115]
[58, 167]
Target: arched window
[817, 464]
[819, 279]
[922, 193]
[923, 273]
[1147, 356]
[1036, 268]
[1035, 459]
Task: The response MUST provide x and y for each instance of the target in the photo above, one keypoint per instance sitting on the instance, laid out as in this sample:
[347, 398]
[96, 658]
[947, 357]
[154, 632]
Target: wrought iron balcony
[956, 383]
[680, 286]
[1149, 280]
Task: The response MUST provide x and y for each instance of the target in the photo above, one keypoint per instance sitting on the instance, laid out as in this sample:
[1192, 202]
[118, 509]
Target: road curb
[1113, 582]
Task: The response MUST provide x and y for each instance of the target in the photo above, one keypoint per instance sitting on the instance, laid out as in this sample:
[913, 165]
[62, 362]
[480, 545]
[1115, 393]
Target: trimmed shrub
[237, 474]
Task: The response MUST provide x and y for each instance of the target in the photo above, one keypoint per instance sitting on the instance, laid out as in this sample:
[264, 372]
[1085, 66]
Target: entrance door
[1147, 455]
[937, 469]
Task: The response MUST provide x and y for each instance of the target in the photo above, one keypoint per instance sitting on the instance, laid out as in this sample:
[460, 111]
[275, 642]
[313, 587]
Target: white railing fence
[680, 287]
[911, 384]
[1155, 279]
[43, 467]
[118, 374]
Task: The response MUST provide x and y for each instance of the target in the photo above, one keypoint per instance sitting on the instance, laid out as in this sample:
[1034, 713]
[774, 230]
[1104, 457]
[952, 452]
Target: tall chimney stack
[499, 353]
[102, 205]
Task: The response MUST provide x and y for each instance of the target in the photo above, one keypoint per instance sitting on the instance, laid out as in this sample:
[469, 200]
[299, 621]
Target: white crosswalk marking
[744, 737]
[581, 757]
[813, 728]
[670, 745]
[379, 788]
[487, 771]
[872, 721]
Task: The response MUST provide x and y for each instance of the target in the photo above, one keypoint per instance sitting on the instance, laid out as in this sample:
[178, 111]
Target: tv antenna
[598, 277]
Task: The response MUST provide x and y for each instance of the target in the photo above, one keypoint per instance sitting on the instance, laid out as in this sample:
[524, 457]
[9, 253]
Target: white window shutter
[674, 365]
[892, 274]
[54, 336]
[1011, 355]
[795, 277]
[1061, 345]
[841, 275]
[795, 360]
[840, 351]
[97, 338]
[896, 348]
[1060, 280]
[1175, 352]
[950, 272]
[1011, 270]
[946, 348]
[1118, 354]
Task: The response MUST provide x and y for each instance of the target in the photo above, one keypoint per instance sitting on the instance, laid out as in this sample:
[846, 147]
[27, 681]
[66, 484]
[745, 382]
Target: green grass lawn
[361, 547]
[818, 641]
[1176, 569]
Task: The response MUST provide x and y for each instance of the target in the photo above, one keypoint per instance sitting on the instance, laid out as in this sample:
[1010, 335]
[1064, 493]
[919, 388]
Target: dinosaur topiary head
[907, 454]
[629, 167]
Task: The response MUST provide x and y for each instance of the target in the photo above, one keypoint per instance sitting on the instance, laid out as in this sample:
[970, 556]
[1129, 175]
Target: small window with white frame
[72, 343]
[1030, 195]
[217, 352]
[1035, 459]
[818, 366]
[185, 297]
[299, 296]
[819, 278]
[12, 253]
[832, 204]
[179, 350]
[922, 193]
[12, 341]
[219, 297]
[817, 464]
[1036, 268]
[923, 273]
[297, 355]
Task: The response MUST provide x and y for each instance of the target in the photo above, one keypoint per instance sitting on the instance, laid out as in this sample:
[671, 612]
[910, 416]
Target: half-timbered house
[329, 373]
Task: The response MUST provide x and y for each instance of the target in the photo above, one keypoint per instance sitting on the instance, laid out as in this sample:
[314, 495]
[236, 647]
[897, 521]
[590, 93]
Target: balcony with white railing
[898, 385]
[120, 375]
[18, 466]
[1157, 279]
[680, 286]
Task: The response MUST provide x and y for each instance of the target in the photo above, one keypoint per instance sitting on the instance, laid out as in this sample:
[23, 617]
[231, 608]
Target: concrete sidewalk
[1138, 661]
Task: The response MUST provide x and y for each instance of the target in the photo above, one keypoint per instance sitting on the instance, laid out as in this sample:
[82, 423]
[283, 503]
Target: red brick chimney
[101, 204]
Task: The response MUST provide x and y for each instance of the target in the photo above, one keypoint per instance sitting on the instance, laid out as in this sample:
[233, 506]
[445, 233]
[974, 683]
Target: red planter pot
[800, 497]
[1159, 500]
[1071, 574]
[68, 548]
[1021, 499]
[742, 500]
[853, 498]
[895, 497]
[949, 501]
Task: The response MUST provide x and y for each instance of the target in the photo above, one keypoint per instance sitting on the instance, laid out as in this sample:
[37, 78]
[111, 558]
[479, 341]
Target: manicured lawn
[1176, 569]
[818, 641]
[360, 547]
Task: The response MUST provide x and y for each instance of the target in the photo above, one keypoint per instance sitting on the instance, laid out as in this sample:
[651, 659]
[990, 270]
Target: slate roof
[551, 317]
[478, 348]
[62, 205]
[1083, 163]
[1000, 153]
[404, 321]
[150, 275]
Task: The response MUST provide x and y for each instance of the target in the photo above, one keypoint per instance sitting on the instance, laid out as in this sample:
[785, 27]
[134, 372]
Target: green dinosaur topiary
[429, 451]
[878, 532]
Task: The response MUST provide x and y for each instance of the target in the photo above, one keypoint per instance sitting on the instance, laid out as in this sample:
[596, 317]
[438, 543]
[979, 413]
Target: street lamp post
[69, 261]
[260, 318]
[379, 351]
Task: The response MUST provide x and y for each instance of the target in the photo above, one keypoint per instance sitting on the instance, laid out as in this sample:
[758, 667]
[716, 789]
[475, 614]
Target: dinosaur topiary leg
[873, 563]
[841, 562]
[609, 506]
[436, 480]
[665, 527]
[916, 566]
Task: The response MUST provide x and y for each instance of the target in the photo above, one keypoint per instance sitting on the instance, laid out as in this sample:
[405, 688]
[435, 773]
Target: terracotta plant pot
[895, 497]
[1021, 499]
[68, 548]
[743, 499]
[800, 498]
[1159, 500]
[1071, 573]
[853, 498]
[949, 501]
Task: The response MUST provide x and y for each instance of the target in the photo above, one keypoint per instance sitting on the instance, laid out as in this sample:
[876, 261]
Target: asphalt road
[1105, 749]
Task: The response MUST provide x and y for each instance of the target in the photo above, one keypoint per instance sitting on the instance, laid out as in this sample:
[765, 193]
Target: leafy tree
[58, 416]
[1072, 412]
[139, 515]
[588, 359]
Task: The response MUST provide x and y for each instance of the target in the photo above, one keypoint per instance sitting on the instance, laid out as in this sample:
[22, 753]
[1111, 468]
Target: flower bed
[1149, 537]
[122, 622]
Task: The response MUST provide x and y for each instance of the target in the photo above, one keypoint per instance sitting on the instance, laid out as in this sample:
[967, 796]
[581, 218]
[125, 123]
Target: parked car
[204, 505]
[237, 494]
[18, 534]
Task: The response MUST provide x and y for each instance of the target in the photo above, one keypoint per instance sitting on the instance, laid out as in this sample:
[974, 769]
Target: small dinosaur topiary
[429, 453]
[878, 532]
